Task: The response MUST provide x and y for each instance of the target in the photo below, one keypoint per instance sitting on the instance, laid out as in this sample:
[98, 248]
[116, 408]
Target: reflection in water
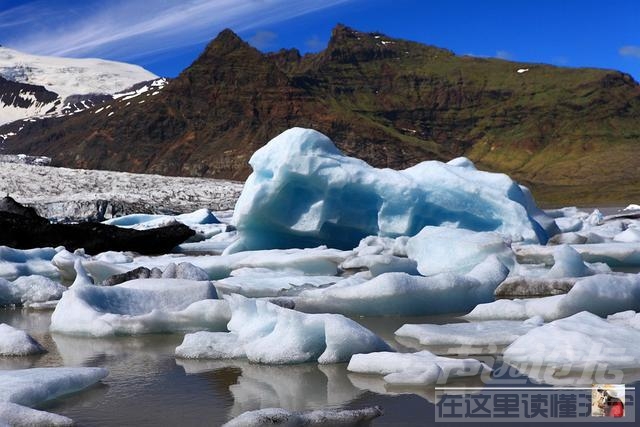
[147, 386]
[293, 387]
[375, 383]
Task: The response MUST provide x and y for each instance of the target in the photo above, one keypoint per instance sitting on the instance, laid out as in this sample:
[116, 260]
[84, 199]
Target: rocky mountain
[34, 86]
[572, 134]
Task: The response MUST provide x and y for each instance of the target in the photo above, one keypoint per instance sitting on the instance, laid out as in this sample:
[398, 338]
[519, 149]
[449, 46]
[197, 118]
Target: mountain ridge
[391, 102]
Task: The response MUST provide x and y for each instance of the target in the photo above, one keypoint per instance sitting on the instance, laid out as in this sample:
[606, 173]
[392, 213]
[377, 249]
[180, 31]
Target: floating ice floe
[444, 249]
[319, 417]
[15, 263]
[14, 342]
[576, 342]
[318, 261]
[199, 217]
[32, 387]
[628, 318]
[612, 254]
[265, 333]
[18, 415]
[415, 369]
[304, 192]
[601, 294]
[491, 332]
[262, 282]
[403, 294]
[29, 290]
[140, 306]
[381, 255]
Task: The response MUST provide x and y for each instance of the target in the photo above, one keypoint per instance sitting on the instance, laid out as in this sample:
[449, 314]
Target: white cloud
[630, 50]
[262, 39]
[125, 28]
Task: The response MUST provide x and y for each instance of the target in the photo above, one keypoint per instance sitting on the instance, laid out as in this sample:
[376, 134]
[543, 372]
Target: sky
[165, 36]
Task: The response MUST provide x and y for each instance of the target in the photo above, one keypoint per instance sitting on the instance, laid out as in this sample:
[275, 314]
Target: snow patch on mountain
[78, 83]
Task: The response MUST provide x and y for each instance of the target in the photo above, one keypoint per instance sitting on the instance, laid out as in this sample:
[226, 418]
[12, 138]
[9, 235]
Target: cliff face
[390, 102]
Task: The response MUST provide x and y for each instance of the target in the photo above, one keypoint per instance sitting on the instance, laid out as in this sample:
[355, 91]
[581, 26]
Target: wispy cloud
[262, 39]
[630, 50]
[503, 54]
[125, 28]
[315, 44]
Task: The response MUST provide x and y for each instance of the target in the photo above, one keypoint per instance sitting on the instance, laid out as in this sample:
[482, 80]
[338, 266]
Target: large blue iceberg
[304, 192]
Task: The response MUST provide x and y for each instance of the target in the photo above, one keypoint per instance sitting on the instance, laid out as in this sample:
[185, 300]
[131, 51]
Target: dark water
[147, 386]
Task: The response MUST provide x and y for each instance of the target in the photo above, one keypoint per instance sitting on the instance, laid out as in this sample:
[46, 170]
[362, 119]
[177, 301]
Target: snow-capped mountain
[35, 86]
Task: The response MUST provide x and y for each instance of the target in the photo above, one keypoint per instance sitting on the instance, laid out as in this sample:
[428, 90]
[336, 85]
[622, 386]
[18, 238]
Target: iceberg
[304, 192]
[403, 294]
[415, 369]
[16, 262]
[579, 341]
[28, 290]
[444, 249]
[266, 333]
[32, 387]
[601, 294]
[491, 332]
[140, 306]
[14, 342]
[319, 417]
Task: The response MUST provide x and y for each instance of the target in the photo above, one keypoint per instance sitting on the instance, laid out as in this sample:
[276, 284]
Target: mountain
[36, 86]
[572, 134]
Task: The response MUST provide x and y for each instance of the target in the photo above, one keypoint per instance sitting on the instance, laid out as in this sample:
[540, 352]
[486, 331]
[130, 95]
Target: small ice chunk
[442, 249]
[492, 332]
[139, 306]
[581, 340]
[568, 263]
[12, 414]
[318, 417]
[266, 333]
[28, 290]
[601, 294]
[31, 387]
[403, 294]
[14, 342]
[15, 263]
[414, 369]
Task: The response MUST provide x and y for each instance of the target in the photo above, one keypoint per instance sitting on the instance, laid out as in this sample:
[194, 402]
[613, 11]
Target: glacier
[304, 192]
[265, 333]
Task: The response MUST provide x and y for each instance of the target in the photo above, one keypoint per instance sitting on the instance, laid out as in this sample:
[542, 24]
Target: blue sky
[165, 36]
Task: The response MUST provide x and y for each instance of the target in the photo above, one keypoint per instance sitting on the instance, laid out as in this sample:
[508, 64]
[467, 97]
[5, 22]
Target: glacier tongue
[304, 192]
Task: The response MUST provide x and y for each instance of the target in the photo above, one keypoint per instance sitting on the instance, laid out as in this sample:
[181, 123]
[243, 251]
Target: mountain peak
[225, 43]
